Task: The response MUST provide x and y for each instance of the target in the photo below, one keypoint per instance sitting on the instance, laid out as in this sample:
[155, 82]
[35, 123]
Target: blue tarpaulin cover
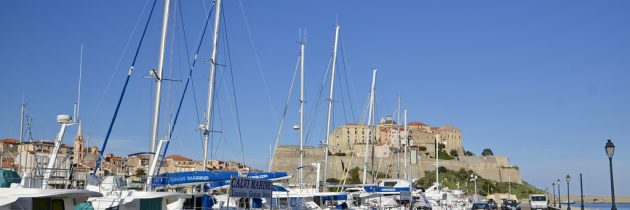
[84, 206]
[7, 177]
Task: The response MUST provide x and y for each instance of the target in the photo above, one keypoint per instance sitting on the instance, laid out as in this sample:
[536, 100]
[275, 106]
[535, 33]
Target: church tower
[78, 146]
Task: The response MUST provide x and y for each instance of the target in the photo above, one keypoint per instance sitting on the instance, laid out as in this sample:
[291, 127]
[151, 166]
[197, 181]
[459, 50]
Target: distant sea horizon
[601, 206]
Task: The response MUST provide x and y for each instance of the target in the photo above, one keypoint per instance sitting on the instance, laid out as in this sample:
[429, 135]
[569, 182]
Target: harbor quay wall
[287, 158]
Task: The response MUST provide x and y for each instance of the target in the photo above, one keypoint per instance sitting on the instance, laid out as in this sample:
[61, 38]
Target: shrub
[333, 181]
[140, 172]
[444, 156]
[487, 152]
[353, 176]
[454, 153]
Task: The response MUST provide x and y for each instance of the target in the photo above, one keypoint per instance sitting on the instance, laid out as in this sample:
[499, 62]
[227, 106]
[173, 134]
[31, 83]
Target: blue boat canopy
[379, 189]
[220, 177]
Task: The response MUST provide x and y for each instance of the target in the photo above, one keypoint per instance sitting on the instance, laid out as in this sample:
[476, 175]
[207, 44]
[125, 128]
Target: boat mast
[158, 79]
[406, 146]
[410, 175]
[437, 162]
[330, 100]
[368, 138]
[398, 137]
[213, 65]
[302, 45]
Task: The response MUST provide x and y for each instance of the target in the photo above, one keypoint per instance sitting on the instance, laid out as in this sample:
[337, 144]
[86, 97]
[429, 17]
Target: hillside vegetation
[450, 178]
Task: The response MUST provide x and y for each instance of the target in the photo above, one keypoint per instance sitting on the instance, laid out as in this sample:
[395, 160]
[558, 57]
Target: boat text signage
[244, 187]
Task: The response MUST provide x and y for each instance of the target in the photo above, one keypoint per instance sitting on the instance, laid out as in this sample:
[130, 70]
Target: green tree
[441, 146]
[454, 153]
[487, 152]
[354, 176]
[140, 172]
[469, 153]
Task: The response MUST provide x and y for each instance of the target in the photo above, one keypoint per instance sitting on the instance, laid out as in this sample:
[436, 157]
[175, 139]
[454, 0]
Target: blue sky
[543, 82]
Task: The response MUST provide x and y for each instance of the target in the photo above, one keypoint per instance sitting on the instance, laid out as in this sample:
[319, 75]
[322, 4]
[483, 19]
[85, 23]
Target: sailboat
[115, 188]
[301, 196]
[205, 180]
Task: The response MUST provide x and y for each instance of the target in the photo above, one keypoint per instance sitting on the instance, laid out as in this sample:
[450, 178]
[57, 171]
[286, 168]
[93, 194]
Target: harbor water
[600, 206]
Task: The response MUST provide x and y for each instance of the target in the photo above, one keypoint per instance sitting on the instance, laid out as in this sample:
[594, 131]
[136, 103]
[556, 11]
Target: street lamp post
[568, 193]
[610, 151]
[581, 194]
[474, 178]
[559, 198]
[553, 187]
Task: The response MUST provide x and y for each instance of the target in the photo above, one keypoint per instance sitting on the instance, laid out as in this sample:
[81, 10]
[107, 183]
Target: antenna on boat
[77, 107]
[65, 121]
[22, 111]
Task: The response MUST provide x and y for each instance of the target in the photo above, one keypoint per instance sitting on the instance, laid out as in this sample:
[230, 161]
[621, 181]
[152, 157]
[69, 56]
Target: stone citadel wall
[287, 158]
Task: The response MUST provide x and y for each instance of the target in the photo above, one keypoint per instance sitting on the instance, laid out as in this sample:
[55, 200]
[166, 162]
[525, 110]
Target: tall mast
[398, 137]
[368, 138]
[302, 43]
[330, 100]
[158, 78]
[213, 65]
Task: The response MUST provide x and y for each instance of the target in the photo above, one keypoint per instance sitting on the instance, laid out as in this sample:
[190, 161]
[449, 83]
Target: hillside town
[27, 156]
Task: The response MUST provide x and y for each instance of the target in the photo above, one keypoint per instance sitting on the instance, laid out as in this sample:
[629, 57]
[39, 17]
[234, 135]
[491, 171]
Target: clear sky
[543, 82]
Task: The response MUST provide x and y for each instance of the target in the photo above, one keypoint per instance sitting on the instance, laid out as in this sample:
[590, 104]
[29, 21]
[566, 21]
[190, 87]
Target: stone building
[388, 132]
[180, 163]
[346, 136]
[138, 162]
[423, 136]
[351, 138]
